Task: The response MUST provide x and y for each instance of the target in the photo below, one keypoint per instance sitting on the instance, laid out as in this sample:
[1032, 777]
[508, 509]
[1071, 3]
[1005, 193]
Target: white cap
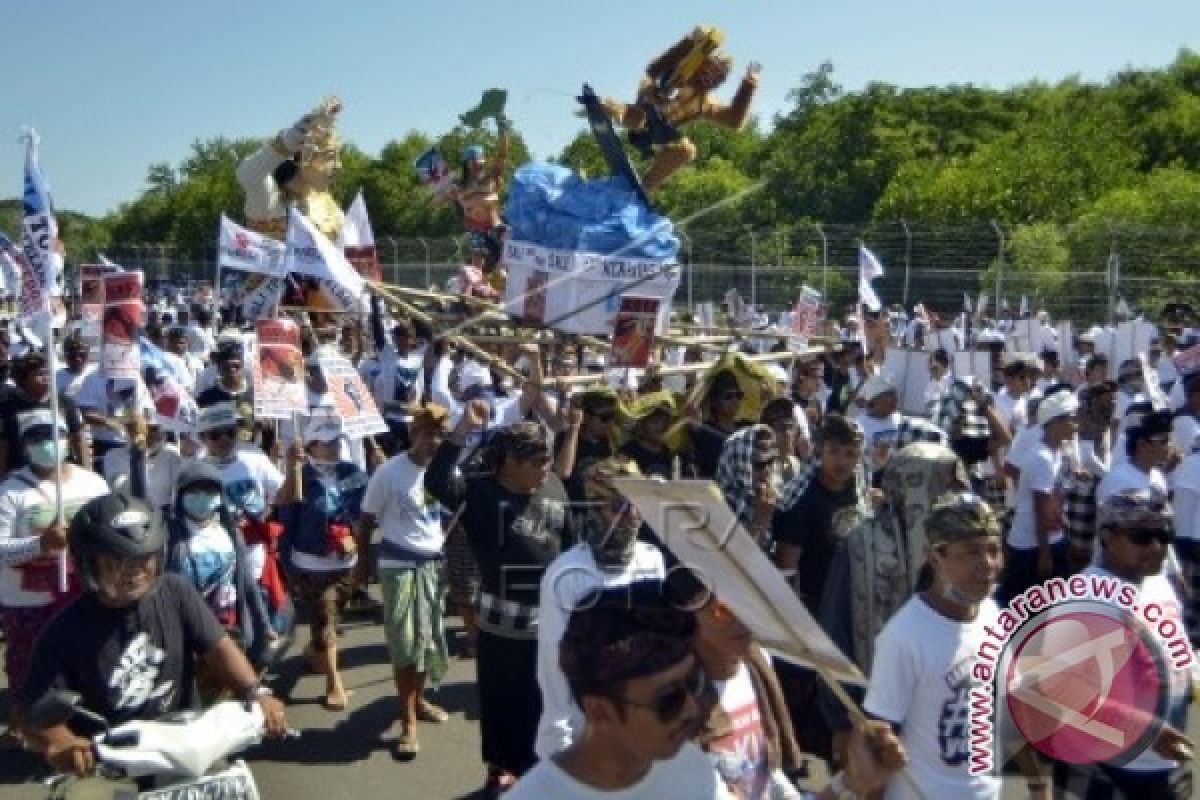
[875, 386]
[215, 417]
[324, 428]
[38, 418]
[1059, 404]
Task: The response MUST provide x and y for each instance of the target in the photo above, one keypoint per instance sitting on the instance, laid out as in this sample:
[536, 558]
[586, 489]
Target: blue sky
[114, 85]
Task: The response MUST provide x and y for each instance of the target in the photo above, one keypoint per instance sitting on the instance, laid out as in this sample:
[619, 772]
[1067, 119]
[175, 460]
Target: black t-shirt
[14, 402]
[127, 663]
[809, 526]
[707, 441]
[513, 537]
[650, 462]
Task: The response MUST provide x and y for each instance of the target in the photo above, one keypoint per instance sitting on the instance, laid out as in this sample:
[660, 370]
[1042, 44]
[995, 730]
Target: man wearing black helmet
[128, 645]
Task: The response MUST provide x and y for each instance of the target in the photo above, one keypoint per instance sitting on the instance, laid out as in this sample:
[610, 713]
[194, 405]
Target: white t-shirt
[1158, 589]
[567, 580]
[921, 681]
[27, 505]
[251, 481]
[408, 515]
[162, 470]
[741, 756]
[1187, 498]
[1184, 429]
[689, 775]
[1042, 471]
[1126, 476]
[68, 383]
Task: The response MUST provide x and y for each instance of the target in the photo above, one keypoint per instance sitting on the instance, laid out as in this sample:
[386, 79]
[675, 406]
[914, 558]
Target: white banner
[357, 241]
[39, 243]
[577, 292]
[246, 250]
[310, 255]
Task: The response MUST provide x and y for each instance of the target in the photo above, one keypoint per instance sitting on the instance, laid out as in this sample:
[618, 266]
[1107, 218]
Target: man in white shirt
[610, 556]
[410, 557]
[106, 404]
[921, 678]
[1186, 425]
[76, 368]
[1135, 535]
[1038, 548]
[1147, 444]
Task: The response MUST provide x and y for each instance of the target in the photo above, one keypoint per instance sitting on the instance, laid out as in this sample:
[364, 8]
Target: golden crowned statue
[295, 168]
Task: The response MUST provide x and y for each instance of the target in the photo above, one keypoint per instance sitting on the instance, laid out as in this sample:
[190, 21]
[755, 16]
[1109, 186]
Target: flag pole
[59, 512]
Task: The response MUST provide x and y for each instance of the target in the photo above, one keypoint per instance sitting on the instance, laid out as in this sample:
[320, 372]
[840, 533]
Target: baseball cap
[324, 428]
[1059, 404]
[215, 417]
[875, 386]
[32, 422]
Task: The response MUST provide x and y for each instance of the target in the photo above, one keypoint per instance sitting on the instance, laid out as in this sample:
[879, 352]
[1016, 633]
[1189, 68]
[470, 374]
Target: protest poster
[353, 401]
[808, 315]
[692, 519]
[279, 379]
[975, 364]
[908, 370]
[633, 331]
[1131, 340]
[279, 390]
[581, 292]
[124, 315]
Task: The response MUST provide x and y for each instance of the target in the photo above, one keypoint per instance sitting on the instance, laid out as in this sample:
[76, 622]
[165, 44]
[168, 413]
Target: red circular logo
[1086, 687]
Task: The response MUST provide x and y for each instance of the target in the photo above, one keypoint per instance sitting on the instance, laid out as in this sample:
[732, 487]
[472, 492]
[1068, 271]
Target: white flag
[869, 269]
[246, 250]
[357, 241]
[39, 243]
[311, 255]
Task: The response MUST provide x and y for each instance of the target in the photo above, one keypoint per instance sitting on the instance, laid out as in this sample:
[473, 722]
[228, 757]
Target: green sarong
[413, 619]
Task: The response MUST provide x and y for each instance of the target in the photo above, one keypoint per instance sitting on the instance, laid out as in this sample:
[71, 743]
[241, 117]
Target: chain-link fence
[1072, 272]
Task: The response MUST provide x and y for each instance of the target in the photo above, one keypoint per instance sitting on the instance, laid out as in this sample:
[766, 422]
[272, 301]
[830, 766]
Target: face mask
[201, 505]
[41, 454]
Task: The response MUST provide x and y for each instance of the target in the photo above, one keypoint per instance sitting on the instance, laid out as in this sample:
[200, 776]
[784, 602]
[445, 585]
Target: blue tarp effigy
[552, 206]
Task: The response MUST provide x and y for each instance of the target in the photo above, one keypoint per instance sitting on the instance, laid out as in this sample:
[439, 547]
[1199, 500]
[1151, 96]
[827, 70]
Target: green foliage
[1063, 168]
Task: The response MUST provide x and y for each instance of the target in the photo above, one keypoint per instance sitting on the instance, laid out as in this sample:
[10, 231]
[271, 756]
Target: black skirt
[510, 702]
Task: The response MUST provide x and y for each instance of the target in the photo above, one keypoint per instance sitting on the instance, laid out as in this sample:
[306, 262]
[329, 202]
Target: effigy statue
[295, 168]
[677, 90]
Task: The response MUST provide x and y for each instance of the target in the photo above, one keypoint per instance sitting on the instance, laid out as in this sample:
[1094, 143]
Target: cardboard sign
[692, 519]
[1132, 340]
[908, 370]
[808, 315]
[975, 364]
[124, 315]
[353, 401]
[279, 390]
[633, 331]
[580, 292]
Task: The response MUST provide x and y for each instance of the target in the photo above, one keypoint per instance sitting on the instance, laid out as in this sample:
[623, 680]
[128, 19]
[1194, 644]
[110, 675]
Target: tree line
[1055, 164]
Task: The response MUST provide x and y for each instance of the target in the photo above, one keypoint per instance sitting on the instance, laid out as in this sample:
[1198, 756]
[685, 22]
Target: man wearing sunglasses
[1136, 530]
[232, 386]
[594, 441]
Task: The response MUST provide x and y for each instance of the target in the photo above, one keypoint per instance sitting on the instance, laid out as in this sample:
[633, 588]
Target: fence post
[1113, 273]
[999, 261]
[428, 266]
[753, 269]
[824, 263]
[907, 259]
[687, 244]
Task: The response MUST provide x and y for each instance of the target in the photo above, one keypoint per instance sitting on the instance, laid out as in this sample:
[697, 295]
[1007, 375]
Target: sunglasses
[221, 433]
[669, 703]
[1144, 536]
[732, 395]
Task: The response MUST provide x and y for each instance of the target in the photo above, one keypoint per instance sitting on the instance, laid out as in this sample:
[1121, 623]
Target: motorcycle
[171, 758]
